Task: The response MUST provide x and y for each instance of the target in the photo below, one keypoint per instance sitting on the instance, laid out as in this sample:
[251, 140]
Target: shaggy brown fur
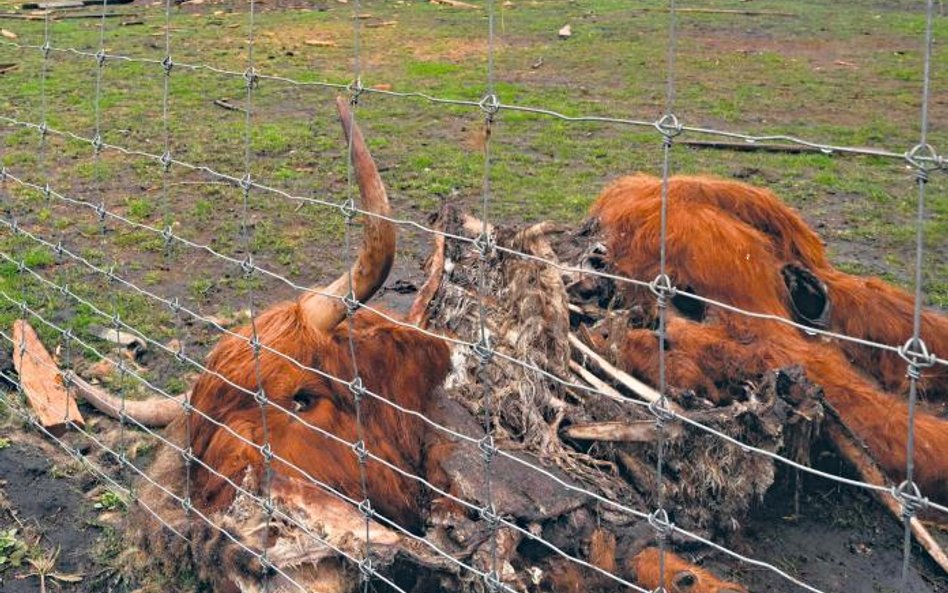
[401, 365]
[730, 242]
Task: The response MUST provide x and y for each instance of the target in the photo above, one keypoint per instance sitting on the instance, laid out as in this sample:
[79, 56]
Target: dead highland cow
[754, 379]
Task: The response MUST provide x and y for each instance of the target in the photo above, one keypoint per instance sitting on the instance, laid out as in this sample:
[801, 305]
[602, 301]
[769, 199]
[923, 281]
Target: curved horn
[153, 412]
[324, 311]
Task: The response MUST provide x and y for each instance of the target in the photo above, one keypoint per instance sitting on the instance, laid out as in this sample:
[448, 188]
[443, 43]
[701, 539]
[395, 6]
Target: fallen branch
[229, 106]
[869, 472]
[41, 381]
[152, 413]
[4, 68]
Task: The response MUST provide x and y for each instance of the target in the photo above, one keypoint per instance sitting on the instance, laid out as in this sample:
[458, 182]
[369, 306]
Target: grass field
[834, 73]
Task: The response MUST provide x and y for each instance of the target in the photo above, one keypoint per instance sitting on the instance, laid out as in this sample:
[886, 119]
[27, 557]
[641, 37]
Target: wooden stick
[41, 381]
[626, 380]
[869, 472]
[721, 11]
[229, 106]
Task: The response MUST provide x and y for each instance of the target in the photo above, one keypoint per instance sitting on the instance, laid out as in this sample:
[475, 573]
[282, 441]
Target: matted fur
[728, 241]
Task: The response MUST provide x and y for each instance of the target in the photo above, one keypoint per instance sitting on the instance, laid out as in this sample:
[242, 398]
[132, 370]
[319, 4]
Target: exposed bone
[869, 472]
[626, 380]
[642, 431]
[418, 314]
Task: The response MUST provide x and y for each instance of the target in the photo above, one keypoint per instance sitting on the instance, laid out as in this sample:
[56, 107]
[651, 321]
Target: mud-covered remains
[547, 401]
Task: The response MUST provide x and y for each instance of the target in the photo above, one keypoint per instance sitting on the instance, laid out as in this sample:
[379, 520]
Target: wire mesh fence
[53, 301]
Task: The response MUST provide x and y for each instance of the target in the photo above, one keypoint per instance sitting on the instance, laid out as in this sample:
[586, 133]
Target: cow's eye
[689, 306]
[303, 400]
[684, 581]
[809, 299]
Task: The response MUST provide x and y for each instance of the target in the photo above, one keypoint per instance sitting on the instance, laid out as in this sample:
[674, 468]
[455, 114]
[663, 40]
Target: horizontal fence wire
[922, 157]
[935, 160]
[168, 235]
[467, 504]
[177, 307]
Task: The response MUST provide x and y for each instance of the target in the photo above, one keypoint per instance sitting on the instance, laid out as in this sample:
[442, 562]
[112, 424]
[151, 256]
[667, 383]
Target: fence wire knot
[660, 522]
[167, 65]
[663, 289]
[43, 129]
[484, 244]
[187, 455]
[45, 49]
[492, 581]
[186, 504]
[360, 450]
[175, 305]
[97, 143]
[101, 212]
[916, 354]
[255, 344]
[251, 78]
[668, 126]
[100, 58]
[365, 507]
[261, 397]
[68, 374]
[355, 90]
[366, 570]
[247, 266]
[266, 452]
[911, 499]
[483, 350]
[168, 236]
[659, 409]
[348, 209]
[351, 302]
[187, 406]
[487, 448]
[357, 389]
[165, 161]
[924, 158]
[488, 513]
[490, 105]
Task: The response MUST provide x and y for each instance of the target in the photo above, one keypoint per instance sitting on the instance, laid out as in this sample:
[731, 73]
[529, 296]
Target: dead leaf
[566, 32]
[7, 34]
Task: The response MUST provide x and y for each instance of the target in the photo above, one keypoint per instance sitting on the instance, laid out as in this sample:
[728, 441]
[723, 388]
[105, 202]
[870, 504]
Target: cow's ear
[809, 298]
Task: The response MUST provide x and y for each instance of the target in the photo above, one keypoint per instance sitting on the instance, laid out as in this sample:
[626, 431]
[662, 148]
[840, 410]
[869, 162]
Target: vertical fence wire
[915, 351]
[490, 105]
[247, 232]
[663, 289]
[360, 449]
